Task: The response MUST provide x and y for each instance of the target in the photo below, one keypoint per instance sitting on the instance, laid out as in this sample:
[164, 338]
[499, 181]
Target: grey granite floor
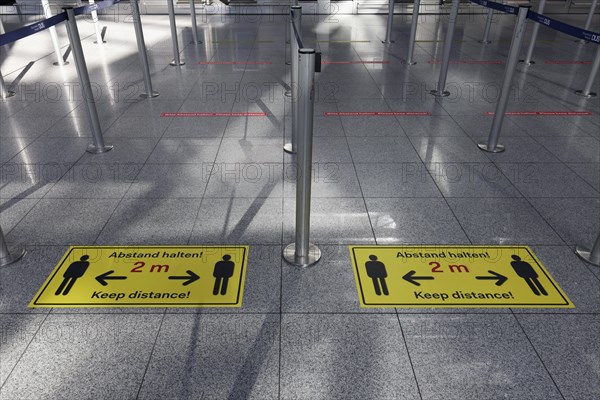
[300, 334]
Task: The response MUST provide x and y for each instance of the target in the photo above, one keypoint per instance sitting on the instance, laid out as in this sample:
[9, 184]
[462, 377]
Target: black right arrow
[500, 279]
[106, 276]
[409, 277]
[192, 277]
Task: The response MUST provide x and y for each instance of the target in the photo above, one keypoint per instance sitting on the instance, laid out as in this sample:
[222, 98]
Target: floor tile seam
[47, 314]
[43, 197]
[566, 164]
[216, 156]
[150, 355]
[538, 355]
[412, 366]
[131, 183]
[364, 201]
[529, 202]
[441, 193]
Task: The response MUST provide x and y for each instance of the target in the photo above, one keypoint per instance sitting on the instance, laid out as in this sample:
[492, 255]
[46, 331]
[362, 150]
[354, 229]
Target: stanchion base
[288, 63]
[586, 95]
[405, 62]
[96, 42]
[435, 93]
[586, 255]
[289, 255]
[99, 150]
[485, 41]
[174, 63]
[9, 93]
[59, 64]
[145, 95]
[15, 255]
[288, 93]
[288, 148]
[498, 149]
[196, 42]
[387, 42]
[531, 62]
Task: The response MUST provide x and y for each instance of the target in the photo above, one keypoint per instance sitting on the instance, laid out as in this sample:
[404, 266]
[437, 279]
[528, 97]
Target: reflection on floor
[225, 179]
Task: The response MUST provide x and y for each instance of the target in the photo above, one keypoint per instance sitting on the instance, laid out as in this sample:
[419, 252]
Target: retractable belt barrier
[567, 29]
[13, 36]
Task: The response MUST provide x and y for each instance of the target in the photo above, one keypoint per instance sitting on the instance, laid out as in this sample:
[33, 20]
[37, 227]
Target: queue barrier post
[287, 41]
[390, 22]
[295, 21]
[84, 79]
[588, 21]
[440, 92]
[176, 58]
[527, 60]
[139, 37]
[7, 257]
[94, 13]
[592, 255]
[302, 253]
[4, 92]
[587, 90]
[53, 35]
[488, 27]
[492, 145]
[413, 34]
[195, 39]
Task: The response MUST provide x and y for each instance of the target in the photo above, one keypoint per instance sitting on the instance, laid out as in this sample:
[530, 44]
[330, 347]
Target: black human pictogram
[526, 271]
[376, 271]
[223, 271]
[73, 272]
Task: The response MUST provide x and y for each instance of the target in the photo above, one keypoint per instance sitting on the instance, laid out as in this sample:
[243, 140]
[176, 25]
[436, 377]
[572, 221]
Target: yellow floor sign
[453, 276]
[146, 276]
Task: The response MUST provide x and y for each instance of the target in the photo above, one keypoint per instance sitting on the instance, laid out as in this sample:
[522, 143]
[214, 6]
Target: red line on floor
[467, 62]
[235, 62]
[521, 113]
[566, 62]
[213, 114]
[377, 114]
[355, 62]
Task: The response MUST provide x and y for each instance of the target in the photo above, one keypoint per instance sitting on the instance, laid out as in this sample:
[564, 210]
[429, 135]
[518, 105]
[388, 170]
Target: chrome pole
[488, 27]
[94, 14]
[6, 257]
[194, 23]
[534, 34]
[296, 18]
[492, 145]
[587, 91]
[176, 59]
[592, 256]
[588, 21]
[141, 44]
[390, 22]
[84, 79]
[440, 92]
[302, 253]
[413, 33]
[53, 35]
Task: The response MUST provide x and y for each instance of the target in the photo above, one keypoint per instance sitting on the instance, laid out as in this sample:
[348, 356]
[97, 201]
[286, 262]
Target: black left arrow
[107, 276]
[192, 277]
[500, 279]
[410, 277]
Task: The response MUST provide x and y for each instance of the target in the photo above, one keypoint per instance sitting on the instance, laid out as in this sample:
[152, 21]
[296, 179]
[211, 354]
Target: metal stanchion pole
[413, 33]
[440, 92]
[592, 256]
[488, 27]
[302, 253]
[287, 42]
[84, 79]
[492, 145]
[4, 92]
[194, 23]
[587, 91]
[94, 14]
[588, 21]
[176, 59]
[534, 34]
[139, 36]
[53, 35]
[296, 15]
[6, 257]
[390, 22]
